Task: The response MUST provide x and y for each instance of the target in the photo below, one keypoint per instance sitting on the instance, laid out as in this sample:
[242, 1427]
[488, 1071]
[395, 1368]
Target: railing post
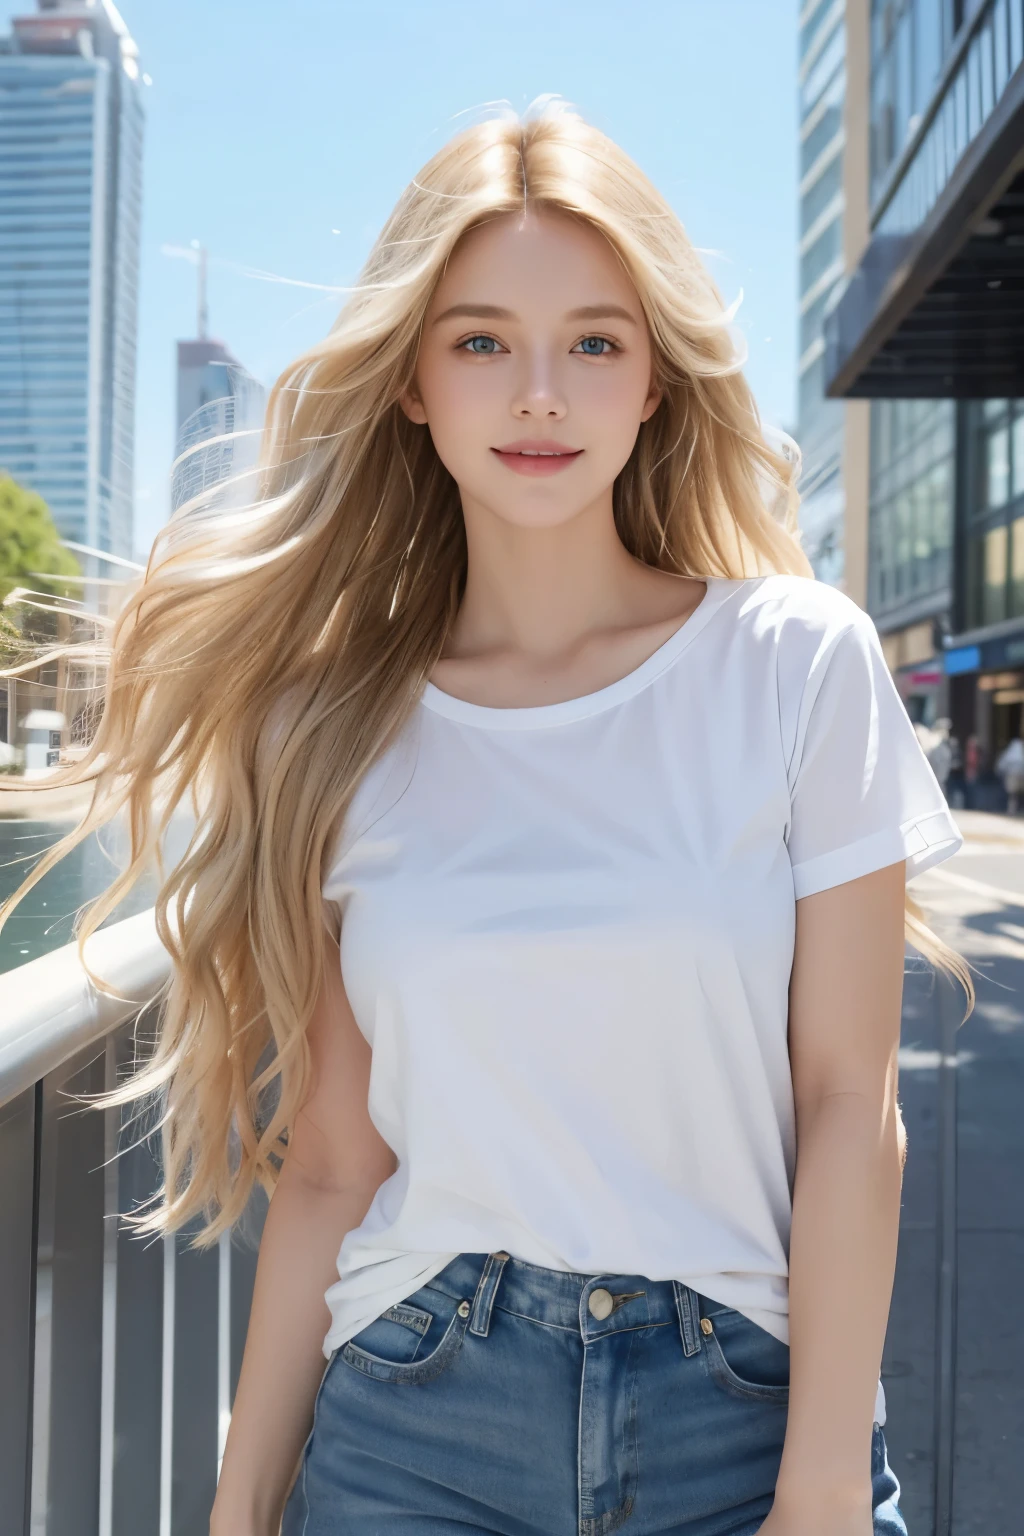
[194, 1440]
[19, 1215]
[108, 1373]
[138, 1378]
[69, 1304]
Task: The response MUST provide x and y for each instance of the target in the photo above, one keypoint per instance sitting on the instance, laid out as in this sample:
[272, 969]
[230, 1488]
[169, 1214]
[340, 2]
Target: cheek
[456, 397]
[612, 399]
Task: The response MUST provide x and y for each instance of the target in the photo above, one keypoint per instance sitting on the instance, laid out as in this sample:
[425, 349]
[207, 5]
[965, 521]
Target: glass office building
[930, 329]
[220, 414]
[822, 78]
[71, 126]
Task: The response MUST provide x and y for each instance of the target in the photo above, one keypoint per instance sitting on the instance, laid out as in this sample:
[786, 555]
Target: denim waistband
[562, 1298]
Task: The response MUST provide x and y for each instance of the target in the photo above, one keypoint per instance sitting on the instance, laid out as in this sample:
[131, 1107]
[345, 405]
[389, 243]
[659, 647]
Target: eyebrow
[496, 312]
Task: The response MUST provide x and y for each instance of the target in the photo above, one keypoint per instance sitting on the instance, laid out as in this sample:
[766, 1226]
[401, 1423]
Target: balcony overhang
[939, 313]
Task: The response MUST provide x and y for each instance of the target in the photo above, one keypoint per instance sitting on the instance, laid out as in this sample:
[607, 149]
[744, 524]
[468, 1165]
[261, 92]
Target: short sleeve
[863, 794]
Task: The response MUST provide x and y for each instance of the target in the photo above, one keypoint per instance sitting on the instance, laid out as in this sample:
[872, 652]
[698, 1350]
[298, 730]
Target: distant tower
[216, 397]
[71, 126]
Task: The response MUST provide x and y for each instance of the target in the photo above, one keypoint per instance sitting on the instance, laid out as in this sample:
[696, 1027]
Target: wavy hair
[273, 649]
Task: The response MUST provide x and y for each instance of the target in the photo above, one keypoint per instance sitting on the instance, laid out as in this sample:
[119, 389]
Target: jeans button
[463, 1309]
[601, 1304]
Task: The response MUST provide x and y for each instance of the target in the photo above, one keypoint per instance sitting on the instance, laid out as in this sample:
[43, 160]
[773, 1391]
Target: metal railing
[120, 1356]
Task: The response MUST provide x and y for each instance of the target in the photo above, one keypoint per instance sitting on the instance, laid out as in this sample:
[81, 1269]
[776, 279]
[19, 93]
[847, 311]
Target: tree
[11, 643]
[30, 547]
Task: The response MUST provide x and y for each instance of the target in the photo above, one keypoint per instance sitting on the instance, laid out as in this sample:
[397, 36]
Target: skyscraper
[822, 76]
[71, 124]
[217, 398]
[220, 407]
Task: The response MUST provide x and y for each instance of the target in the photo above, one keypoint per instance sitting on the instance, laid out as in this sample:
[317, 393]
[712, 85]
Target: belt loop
[689, 1317]
[483, 1301]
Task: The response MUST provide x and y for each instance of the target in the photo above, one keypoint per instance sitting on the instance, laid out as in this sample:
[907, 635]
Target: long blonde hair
[272, 651]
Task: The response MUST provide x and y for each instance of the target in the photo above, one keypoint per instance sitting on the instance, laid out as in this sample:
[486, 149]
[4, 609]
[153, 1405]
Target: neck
[539, 591]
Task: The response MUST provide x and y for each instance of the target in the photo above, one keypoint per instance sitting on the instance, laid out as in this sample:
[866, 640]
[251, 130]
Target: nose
[538, 394]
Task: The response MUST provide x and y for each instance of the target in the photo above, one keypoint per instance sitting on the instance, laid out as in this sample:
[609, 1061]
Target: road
[965, 1125]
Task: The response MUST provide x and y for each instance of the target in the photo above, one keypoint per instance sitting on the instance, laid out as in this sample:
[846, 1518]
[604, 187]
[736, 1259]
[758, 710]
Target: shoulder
[803, 620]
[798, 603]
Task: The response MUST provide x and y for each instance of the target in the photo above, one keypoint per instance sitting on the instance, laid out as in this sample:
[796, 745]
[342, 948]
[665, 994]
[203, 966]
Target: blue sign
[967, 658]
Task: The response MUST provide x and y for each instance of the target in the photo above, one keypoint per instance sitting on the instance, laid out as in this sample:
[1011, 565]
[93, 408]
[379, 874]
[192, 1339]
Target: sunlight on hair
[288, 619]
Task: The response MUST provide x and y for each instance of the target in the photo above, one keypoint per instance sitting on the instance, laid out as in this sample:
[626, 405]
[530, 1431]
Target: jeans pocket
[412, 1341]
[396, 1335]
[744, 1359]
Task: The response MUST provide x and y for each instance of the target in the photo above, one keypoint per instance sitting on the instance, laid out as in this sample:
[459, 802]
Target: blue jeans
[506, 1398]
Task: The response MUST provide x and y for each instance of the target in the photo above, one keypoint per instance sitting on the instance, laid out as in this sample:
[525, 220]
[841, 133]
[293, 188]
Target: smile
[536, 458]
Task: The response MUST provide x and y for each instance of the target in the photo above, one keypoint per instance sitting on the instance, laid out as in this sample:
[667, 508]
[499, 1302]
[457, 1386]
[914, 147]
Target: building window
[910, 517]
[1017, 452]
[823, 125]
[1001, 456]
[997, 466]
[826, 249]
[995, 567]
[993, 590]
[906, 58]
[1017, 567]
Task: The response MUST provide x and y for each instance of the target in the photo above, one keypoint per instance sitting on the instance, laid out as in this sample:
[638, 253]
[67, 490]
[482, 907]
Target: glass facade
[911, 508]
[909, 40]
[994, 588]
[912, 496]
[71, 124]
[222, 436]
[820, 431]
[910, 43]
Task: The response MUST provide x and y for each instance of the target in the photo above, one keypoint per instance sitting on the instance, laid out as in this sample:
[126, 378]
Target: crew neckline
[532, 716]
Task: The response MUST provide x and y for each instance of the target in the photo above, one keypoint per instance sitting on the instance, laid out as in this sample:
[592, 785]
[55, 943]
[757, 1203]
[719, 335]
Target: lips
[541, 447]
[537, 456]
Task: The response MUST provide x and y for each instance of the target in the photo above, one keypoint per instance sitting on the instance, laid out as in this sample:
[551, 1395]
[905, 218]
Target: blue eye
[481, 345]
[594, 346]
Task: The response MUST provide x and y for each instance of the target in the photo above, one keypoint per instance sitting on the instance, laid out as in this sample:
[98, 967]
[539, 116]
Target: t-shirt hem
[922, 843]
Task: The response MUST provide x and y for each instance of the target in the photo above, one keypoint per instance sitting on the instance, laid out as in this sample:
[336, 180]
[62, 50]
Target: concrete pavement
[976, 903]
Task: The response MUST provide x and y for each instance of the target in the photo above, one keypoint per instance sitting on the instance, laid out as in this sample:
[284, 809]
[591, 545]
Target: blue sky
[280, 135]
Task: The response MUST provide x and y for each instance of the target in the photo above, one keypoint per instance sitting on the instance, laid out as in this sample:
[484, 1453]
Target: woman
[512, 681]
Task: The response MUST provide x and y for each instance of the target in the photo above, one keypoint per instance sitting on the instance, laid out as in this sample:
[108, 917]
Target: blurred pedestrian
[940, 753]
[1010, 767]
[973, 759]
[955, 782]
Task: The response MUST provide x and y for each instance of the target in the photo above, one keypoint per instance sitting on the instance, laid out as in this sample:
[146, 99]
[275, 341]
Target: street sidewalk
[988, 827]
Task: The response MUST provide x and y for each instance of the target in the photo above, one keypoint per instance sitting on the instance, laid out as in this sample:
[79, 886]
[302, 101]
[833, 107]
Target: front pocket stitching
[723, 1374]
[409, 1317]
[416, 1370]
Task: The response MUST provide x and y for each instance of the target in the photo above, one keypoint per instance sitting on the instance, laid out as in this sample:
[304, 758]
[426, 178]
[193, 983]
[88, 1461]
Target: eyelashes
[488, 348]
[482, 345]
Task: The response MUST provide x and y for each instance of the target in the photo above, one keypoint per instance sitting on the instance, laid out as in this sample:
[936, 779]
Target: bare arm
[336, 1161]
[845, 1000]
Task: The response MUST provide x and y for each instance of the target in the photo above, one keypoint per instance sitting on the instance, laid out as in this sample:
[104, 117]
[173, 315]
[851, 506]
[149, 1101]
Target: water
[44, 919]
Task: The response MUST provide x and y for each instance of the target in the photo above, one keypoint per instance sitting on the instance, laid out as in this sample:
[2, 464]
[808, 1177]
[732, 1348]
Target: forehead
[538, 258]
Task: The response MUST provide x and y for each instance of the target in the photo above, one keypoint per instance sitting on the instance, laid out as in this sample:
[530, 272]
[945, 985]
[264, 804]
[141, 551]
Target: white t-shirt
[567, 934]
